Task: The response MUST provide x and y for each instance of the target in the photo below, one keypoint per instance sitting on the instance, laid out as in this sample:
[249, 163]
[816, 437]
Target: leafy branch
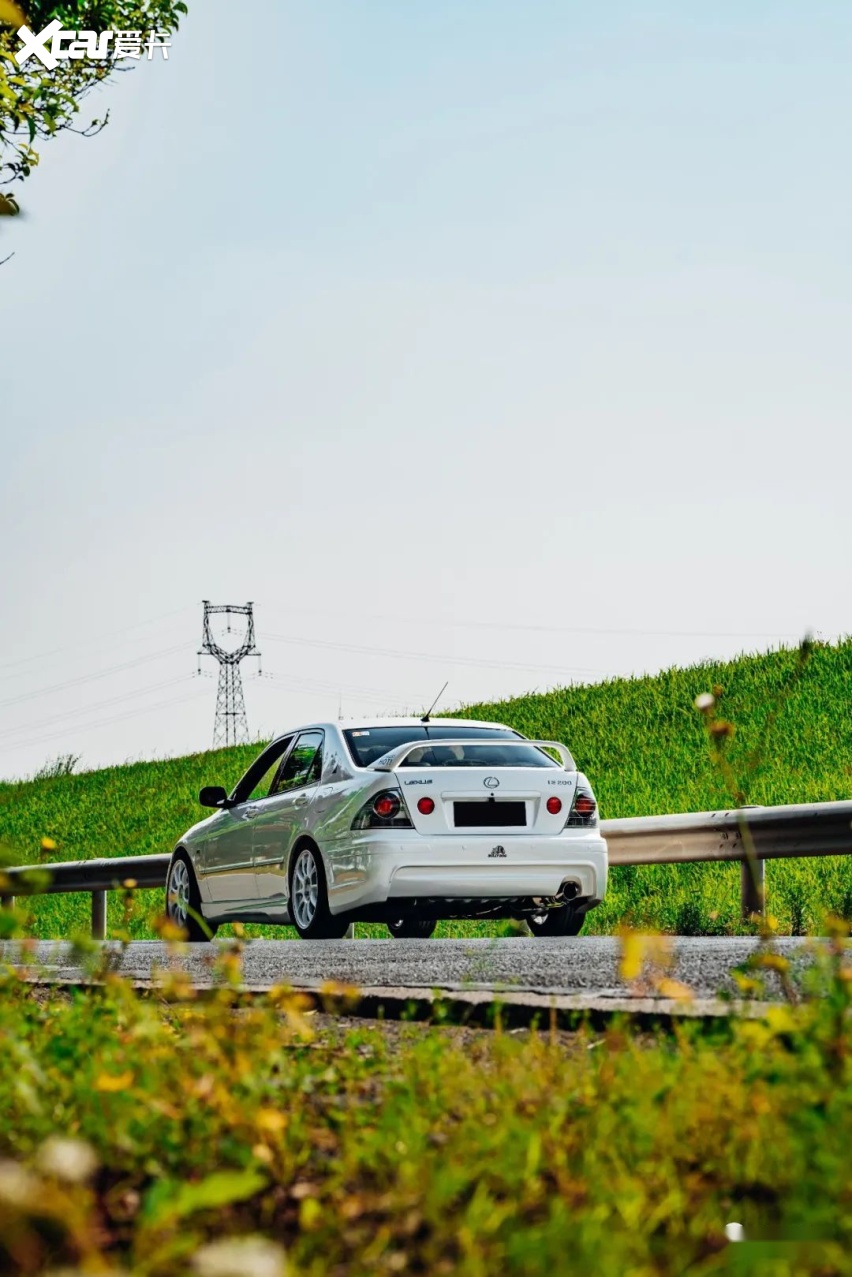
[36, 103]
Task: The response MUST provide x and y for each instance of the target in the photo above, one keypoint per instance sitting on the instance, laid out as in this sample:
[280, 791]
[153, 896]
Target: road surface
[586, 966]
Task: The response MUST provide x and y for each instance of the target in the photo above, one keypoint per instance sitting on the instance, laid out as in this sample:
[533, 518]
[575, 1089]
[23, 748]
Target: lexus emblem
[491, 782]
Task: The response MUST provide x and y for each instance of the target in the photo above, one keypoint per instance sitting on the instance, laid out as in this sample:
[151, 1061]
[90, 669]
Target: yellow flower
[114, 1081]
[271, 1121]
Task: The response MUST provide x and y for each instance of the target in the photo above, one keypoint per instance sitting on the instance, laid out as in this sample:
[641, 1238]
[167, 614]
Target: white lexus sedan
[403, 821]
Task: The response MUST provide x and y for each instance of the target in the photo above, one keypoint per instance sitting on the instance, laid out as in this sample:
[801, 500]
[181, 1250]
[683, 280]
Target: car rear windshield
[367, 744]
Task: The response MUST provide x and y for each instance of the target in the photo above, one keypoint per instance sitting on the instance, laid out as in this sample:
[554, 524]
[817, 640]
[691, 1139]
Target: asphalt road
[582, 966]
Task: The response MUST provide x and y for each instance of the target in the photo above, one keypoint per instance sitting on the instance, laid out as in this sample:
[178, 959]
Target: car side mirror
[213, 796]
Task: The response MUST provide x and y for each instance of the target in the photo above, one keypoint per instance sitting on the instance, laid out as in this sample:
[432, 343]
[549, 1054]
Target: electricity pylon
[231, 726]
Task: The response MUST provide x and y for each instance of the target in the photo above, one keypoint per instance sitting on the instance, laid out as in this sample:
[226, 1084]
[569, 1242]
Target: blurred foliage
[160, 1135]
[11, 14]
[641, 741]
[36, 103]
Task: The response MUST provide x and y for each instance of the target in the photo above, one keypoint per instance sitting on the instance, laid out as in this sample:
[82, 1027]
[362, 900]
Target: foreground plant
[167, 1133]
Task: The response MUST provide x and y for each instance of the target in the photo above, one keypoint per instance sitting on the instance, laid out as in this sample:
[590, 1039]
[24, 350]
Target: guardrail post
[99, 912]
[753, 888]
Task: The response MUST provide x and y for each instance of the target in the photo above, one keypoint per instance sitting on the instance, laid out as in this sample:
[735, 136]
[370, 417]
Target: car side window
[302, 766]
[257, 782]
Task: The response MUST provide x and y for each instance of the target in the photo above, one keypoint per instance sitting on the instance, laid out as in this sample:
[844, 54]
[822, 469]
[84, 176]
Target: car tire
[309, 911]
[183, 900]
[413, 928]
[562, 921]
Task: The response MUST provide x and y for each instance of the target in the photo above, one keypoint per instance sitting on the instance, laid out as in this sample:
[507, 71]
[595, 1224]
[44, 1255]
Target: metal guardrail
[776, 833]
[95, 876]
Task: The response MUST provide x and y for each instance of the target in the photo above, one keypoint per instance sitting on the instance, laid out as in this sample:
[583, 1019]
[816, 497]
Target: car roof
[362, 724]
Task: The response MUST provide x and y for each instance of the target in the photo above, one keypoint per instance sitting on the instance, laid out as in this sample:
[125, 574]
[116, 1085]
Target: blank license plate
[488, 815]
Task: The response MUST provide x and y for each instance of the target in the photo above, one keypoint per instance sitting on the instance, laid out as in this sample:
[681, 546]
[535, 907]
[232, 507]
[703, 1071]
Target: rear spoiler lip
[394, 758]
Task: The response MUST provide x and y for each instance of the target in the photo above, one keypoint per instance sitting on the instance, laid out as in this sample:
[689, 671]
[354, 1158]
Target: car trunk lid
[510, 800]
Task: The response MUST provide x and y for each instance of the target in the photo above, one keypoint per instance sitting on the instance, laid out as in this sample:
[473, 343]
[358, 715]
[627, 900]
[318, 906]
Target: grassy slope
[645, 749]
[640, 741]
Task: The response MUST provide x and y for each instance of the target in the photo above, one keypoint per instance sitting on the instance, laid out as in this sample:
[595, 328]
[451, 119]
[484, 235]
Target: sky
[492, 343]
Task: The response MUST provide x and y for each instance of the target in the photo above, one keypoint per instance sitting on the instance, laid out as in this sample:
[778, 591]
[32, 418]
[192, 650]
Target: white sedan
[403, 821]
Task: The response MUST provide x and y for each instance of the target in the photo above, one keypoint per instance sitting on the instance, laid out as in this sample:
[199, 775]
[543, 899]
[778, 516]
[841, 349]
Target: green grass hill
[640, 740]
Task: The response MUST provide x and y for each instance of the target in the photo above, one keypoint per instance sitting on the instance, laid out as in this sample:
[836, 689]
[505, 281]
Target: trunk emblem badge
[491, 782]
[496, 852]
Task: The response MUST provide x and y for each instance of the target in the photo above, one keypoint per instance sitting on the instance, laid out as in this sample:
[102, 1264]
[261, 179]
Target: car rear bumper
[379, 866]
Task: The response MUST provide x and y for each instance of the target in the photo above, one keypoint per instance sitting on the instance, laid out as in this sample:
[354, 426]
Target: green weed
[137, 1132]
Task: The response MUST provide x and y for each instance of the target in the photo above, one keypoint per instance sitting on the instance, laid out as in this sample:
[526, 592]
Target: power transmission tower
[231, 726]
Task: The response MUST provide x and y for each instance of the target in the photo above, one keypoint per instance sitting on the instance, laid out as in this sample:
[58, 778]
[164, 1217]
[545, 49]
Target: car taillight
[584, 809]
[385, 810]
[554, 805]
[386, 806]
[426, 806]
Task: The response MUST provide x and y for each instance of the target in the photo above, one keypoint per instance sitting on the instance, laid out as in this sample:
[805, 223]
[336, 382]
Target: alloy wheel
[305, 888]
[178, 893]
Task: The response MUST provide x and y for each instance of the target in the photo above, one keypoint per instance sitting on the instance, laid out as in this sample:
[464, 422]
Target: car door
[227, 868]
[283, 816]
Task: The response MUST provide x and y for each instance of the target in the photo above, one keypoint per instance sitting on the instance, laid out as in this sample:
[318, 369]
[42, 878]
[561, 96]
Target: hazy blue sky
[493, 342]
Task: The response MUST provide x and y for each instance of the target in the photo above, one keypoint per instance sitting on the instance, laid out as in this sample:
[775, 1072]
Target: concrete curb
[479, 1006]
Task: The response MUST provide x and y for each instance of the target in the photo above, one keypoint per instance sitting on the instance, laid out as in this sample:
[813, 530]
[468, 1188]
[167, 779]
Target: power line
[631, 632]
[74, 714]
[312, 686]
[397, 654]
[73, 647]
[335, 685]
[90, 678]
[105, 722]
[625, 633]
